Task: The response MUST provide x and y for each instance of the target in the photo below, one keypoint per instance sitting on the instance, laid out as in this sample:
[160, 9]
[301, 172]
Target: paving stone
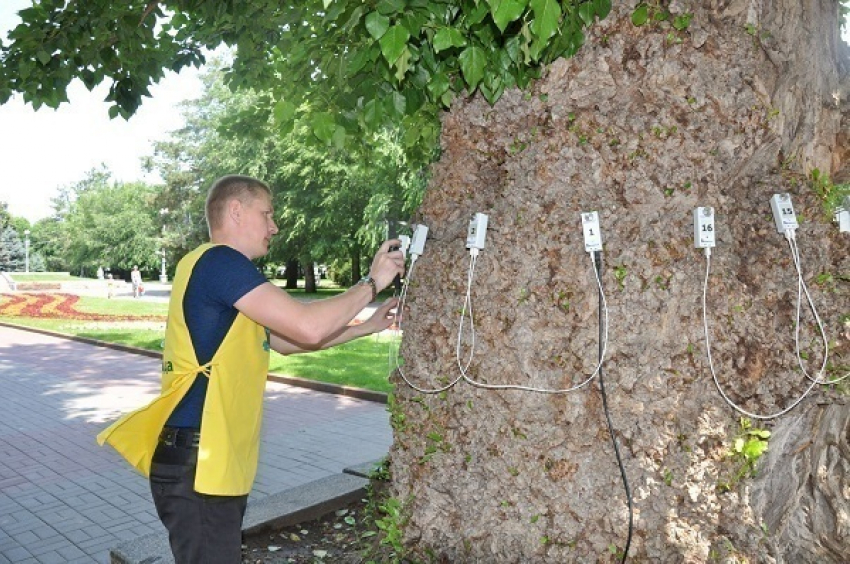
[54, 477]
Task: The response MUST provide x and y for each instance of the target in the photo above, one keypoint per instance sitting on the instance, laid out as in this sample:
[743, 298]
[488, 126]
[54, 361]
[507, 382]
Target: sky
[41, 151]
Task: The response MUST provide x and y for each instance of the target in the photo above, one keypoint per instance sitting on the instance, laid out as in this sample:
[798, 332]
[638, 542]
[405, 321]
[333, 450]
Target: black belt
[182, 437]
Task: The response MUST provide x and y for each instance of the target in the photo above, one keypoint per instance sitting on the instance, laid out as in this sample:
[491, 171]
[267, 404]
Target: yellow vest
[233, 409]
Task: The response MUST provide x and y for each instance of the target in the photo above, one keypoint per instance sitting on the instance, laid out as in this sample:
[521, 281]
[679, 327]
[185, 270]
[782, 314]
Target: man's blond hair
[226, 188]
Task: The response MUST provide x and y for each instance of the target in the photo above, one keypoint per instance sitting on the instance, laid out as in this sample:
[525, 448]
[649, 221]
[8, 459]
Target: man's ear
[234, 210]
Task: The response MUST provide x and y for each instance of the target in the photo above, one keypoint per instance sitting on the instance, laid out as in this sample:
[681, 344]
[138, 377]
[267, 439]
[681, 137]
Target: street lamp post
[163, 277]
[27, 250]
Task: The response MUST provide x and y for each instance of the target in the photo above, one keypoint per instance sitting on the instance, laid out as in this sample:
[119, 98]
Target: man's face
[258, 222]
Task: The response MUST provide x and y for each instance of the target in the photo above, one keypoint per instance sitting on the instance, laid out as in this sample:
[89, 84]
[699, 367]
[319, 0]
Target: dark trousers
[201, 528]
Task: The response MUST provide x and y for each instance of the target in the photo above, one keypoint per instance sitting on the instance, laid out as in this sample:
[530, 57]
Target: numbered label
[704, 227]
[592, 233]
[783, 212]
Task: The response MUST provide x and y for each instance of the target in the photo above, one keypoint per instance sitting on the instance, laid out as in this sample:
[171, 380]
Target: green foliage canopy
[344, 65]
[330, 203]
[110, 224]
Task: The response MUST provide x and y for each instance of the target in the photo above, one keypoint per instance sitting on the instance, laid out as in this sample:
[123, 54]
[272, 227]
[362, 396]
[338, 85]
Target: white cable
[801, 287]
[517, 386]
[402, 299]
[711, 362]
[470, 275]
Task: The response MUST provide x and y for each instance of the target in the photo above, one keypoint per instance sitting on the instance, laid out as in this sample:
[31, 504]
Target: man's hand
[382, 318]
[387, 264]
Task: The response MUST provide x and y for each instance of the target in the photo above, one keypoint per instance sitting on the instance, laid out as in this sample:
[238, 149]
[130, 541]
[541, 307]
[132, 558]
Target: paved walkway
[63, 499]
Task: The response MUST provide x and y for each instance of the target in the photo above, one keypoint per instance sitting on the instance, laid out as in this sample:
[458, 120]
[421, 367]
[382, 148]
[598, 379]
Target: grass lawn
[131, 333]
[326, 289]
[362, 363]
[45, 277]
[92, 304]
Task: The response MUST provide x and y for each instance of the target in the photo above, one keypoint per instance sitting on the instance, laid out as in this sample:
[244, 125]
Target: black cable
[597, 258]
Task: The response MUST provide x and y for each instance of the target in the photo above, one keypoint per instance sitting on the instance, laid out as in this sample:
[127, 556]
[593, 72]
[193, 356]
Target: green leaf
[372, 114]
[339, 136]
[389, 7]
[754, 449]
[547, 15]
[682, 23]
[640, 15]
[324, 126]
[43, 57]
[394, 42]
[283, 111]
[586, 12]
[477, 15]
[492, 87]
[377, 25]
[473, 61]
[353, 20]
[398, 103]
[359, 59]
[438, 84]
[506, 11]
[447, 37]
[603, 8]
[739, 444]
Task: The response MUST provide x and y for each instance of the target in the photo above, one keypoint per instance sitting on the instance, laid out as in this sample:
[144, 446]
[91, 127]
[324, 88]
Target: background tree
[5, 216]
[330, 203]
[12, 252]
[666, 106]
[111, 224]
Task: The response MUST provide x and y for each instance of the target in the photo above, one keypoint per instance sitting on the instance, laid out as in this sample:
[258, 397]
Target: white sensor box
[704, 227]
[405, 244]
[592, 233]
[417, 243]
[477, 233]
[783, 212]
[842, 216]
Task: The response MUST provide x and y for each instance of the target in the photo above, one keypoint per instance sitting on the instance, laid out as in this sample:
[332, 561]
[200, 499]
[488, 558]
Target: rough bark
[642, 129]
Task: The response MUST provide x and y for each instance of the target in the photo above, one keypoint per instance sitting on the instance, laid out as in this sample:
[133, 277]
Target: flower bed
[58, 306]
[30, 286]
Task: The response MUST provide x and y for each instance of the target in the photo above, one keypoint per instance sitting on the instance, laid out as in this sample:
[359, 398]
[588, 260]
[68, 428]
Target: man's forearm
[344, 335]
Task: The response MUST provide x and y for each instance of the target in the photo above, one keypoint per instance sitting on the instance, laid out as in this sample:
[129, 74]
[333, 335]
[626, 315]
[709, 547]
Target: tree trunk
[292, 274]
[309, 276]
[356, 269]
[643, 125]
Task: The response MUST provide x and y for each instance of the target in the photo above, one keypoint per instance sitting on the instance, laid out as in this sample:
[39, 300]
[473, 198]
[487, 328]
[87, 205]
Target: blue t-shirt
[219, 279]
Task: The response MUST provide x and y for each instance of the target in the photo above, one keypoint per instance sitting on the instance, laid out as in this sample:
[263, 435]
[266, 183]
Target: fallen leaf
[320, 553]
[273, 548]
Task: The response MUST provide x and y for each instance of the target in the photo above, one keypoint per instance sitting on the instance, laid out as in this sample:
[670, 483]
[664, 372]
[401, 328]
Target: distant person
[110, 286]
[199, 440]
[136, 281]
[100, 273]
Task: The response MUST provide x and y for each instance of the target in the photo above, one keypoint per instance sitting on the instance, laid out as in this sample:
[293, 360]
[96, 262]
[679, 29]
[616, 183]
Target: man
[136, 281]
[199, 440]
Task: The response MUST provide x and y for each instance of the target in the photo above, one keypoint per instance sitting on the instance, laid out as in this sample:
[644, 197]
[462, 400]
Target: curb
[296, 505]
[349, 391]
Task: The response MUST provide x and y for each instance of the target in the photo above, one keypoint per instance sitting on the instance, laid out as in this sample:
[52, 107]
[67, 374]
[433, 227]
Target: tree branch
[150, 8]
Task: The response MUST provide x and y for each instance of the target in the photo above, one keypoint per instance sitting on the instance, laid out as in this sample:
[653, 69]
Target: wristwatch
[371, 282]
